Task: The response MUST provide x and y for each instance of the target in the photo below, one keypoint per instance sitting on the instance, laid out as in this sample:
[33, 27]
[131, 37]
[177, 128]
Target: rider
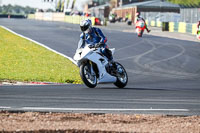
[198, 26]
[94, 36]
[138, 18]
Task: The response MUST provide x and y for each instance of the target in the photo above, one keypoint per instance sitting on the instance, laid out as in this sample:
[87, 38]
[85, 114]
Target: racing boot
[148, 30]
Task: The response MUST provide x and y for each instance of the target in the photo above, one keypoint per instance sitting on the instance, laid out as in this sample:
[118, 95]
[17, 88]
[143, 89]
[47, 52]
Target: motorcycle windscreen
[141, 24]
[81, 44]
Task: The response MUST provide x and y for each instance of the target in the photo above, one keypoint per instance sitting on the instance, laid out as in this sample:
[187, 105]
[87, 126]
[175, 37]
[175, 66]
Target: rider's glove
[91, 46]
[99, 44]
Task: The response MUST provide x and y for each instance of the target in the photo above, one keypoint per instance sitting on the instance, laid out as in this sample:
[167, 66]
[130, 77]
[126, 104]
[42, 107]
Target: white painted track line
[90, 109]
[3, 107]
[101, 109]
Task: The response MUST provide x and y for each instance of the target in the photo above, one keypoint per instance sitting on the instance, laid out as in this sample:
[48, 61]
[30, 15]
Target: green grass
[23, 60]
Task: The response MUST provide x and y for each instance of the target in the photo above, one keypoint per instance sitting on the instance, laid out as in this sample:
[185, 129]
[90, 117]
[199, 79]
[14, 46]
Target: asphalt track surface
[164, 74]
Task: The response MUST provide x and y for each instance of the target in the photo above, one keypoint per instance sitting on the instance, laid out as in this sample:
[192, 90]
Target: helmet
[137, 13]
[86, 25]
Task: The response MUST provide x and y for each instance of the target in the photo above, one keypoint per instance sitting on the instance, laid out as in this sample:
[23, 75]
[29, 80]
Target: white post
[121, 3]
[55, 4]
[65, 6]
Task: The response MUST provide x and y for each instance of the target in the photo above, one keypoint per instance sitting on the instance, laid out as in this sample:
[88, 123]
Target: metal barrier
[59, 17]
[181, 27]
[78, 19]
[166, 26]
[31, 16]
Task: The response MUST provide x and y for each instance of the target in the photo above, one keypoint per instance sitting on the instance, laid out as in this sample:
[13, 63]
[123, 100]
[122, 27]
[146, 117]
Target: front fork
[90, 66]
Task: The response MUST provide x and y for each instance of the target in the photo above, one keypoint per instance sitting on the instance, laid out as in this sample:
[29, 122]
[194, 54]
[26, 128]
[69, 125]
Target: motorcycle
[95, 68]
[140, 27]
[198, 33]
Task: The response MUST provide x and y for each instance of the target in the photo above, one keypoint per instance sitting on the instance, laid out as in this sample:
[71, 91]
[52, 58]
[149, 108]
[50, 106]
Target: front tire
[140, 33]
[122, 77]
[88, 78]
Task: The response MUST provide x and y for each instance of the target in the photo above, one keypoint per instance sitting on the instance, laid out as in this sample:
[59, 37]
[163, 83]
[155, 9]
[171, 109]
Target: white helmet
[86, 25]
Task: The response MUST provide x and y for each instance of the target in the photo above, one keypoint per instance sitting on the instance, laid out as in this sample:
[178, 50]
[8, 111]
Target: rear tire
[141, 33]
[123, 79]
[89, 79]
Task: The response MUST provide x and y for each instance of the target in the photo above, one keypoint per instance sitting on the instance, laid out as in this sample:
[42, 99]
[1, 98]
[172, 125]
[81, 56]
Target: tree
[62, 6]
[58, 8]
[186, 2]
[9, 9]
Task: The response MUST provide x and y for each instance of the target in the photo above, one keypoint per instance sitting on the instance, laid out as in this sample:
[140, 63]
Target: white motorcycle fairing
[95, 56]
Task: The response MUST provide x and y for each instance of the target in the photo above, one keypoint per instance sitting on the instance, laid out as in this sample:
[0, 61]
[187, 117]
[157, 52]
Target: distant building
[101, 11]
[99, 2]
[190, 14]
[124, 2]
[158, 10]
[120, 3]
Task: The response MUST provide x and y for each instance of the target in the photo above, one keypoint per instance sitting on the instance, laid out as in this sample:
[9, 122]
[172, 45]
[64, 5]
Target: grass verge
[23, 60]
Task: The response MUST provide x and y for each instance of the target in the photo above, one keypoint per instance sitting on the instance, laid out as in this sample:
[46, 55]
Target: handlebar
[96, 45]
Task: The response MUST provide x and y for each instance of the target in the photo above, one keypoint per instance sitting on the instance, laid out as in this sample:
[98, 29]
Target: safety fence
[181, 27]
[59, 17]
[154, 23]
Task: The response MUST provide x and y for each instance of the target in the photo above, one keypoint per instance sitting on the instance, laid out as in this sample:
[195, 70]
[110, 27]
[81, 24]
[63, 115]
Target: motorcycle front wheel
[140, 33]
[122, 76]
[87, 76]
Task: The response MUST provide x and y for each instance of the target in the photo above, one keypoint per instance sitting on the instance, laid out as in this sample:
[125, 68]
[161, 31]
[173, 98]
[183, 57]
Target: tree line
[16, 10]
[186, 2]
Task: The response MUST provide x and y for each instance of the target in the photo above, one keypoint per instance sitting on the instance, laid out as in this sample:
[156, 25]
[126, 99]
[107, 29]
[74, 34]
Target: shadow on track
[127, 88]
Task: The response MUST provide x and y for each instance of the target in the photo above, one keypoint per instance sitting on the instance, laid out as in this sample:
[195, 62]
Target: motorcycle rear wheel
[122, 80]
[87, 77]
